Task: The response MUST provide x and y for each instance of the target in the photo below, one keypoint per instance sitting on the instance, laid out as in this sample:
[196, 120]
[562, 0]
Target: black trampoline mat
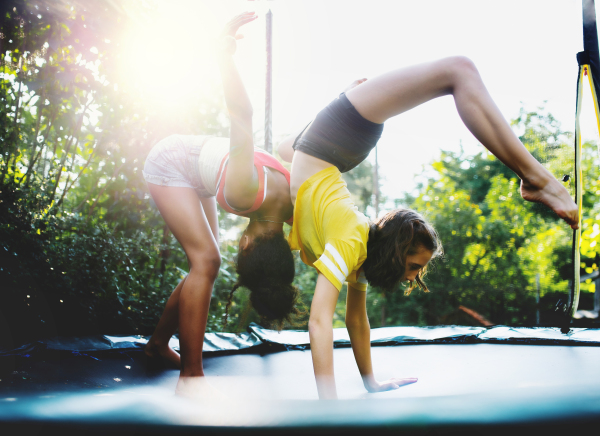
[442, 369]
[461, 387]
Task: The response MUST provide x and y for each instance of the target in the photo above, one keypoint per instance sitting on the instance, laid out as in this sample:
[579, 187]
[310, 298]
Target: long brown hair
[266, 268]
[393, 237]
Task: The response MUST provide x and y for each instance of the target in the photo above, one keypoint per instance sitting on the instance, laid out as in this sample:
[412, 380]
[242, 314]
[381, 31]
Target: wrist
[225, 47]
[369, 382]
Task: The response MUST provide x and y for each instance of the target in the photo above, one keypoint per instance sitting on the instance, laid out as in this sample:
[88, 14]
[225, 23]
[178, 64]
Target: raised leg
[393, 93]
[190, 301]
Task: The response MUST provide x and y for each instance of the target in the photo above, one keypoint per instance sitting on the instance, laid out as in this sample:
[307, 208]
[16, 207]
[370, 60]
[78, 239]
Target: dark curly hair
[397, 234]
[266, 268]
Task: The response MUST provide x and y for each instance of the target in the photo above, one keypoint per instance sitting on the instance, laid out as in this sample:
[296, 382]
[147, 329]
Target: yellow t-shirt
[329, 231]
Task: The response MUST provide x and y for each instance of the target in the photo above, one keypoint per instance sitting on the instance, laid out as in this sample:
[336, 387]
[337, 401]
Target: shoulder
[343, 221]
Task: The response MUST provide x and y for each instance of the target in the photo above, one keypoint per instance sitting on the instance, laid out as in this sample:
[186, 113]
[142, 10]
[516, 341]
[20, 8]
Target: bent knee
[461, 66]
[207, 263]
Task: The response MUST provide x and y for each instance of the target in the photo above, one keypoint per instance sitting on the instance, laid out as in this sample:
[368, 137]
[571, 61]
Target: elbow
[316, 325]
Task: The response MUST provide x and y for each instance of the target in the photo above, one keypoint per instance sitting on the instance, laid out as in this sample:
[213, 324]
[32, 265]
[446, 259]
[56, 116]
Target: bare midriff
[303, 167]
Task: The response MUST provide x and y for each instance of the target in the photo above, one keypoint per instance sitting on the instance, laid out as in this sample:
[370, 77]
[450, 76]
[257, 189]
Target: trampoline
[472, 380]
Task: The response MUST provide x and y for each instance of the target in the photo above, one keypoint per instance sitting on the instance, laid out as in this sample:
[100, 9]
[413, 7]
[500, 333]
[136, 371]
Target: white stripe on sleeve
[339, 259]
[334, 269]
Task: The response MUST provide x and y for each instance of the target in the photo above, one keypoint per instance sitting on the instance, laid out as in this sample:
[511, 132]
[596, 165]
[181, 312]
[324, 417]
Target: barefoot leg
[393, 93]
[212, 215]
[184, 215]
[158, 345]
[169, 321]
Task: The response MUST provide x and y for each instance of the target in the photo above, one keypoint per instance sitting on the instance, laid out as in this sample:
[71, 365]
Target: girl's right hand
[227, 43]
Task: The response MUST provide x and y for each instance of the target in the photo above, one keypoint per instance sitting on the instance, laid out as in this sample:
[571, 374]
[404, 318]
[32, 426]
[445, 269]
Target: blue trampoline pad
[463, 388]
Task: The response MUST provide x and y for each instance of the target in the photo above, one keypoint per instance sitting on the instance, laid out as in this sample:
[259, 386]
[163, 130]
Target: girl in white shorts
[187, 176]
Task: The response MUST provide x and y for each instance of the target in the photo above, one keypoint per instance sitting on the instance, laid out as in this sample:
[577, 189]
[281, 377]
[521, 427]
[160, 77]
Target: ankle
[537, 180]
[192, 374]
[157, 344]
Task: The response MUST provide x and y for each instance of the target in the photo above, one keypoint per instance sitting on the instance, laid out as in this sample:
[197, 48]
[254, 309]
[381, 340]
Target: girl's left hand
[388, 385]
[230, 35]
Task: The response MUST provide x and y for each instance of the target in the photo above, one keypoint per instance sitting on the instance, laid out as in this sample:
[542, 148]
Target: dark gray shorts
[339, 135]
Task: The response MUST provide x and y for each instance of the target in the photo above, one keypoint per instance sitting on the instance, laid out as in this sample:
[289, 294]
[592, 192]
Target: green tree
[590, 232]
[497, 247]
[83, 249]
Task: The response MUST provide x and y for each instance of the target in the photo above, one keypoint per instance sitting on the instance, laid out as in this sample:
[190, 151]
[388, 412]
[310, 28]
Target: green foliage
[80, 235]
[497, 247]
[590, 232]
[83, 249]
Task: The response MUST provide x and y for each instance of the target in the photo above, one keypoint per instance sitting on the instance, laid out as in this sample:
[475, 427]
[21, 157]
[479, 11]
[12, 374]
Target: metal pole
[268, 99]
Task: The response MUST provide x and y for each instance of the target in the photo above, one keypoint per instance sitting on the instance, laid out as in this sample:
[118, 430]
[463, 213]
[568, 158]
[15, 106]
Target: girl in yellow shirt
[338, 240]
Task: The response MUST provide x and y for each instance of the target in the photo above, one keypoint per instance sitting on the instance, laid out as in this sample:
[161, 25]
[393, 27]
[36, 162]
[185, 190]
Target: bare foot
[152, 350]
[197, 388]
[555, 196]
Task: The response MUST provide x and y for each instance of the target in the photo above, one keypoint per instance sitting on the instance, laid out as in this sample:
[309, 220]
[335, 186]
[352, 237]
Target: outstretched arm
[359, 330]
[241, 183]
[320, 330]
[285, 147]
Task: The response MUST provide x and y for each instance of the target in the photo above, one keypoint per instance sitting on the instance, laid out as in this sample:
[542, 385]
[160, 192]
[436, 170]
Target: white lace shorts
[173, 161]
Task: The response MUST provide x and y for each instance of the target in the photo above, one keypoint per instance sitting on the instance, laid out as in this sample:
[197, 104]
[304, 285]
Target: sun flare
[167, 58]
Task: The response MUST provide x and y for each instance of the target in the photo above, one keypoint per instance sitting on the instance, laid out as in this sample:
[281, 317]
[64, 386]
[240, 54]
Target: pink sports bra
[262, 159]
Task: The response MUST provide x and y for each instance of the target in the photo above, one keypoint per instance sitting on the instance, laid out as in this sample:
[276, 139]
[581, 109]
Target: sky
[525, 51]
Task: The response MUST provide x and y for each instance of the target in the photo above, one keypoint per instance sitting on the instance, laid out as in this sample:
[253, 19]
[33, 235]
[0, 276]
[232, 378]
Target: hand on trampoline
[374, 386]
